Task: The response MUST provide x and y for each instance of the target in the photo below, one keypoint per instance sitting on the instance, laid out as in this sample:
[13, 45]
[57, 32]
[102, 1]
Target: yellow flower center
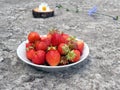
[44, 8]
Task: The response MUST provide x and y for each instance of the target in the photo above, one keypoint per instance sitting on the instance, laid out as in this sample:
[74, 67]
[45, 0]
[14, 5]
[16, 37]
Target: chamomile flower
[43, 7]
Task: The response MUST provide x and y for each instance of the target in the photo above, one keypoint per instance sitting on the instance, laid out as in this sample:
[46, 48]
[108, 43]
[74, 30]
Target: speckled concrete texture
[100, 71]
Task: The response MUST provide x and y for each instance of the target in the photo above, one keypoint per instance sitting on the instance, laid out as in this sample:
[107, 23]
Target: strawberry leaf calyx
[65, 48]
[72, 38]
[71, 55]
[51, 48]
[53, 31]
[63, 60]
[28, 48]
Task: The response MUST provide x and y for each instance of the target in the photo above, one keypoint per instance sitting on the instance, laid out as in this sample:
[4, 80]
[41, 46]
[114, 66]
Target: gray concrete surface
[100, 71]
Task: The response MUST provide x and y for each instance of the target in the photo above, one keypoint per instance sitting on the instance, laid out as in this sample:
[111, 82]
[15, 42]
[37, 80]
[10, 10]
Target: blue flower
[92, 11]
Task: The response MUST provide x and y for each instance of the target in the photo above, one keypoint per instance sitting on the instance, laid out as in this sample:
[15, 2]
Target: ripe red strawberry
[63, 48]
[33, 36]
[55, 38]
[73, 56]
[53, 57]
[30, 53]
[80, 46]
[39, 45]
[64, 38]
[29, 46]
[39, 57]
[47, 39]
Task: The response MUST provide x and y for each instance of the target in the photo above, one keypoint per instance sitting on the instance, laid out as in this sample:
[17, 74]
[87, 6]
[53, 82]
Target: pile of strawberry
[54, 49]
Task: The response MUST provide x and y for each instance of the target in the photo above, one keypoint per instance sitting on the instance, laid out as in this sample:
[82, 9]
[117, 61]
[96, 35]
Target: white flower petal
[44, 5]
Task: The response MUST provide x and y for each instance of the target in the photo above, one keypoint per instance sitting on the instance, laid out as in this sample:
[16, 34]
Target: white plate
[21, 52]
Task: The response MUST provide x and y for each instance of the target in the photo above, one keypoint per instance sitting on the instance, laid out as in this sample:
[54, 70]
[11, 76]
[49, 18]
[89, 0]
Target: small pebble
[1, 59]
